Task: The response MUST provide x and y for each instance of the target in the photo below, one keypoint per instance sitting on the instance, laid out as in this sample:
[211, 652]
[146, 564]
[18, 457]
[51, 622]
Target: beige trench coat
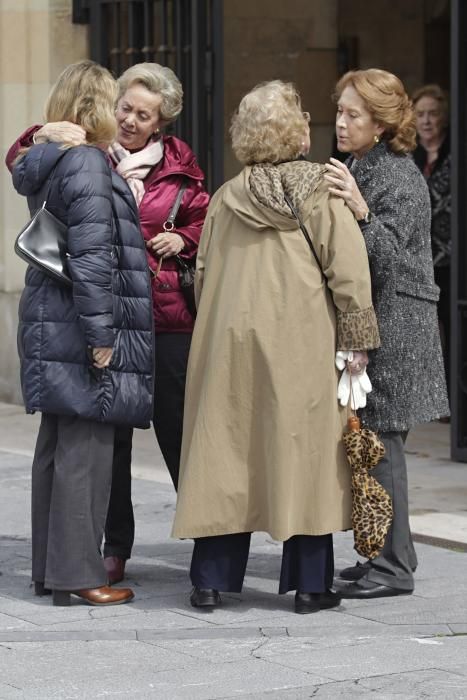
[262, 447]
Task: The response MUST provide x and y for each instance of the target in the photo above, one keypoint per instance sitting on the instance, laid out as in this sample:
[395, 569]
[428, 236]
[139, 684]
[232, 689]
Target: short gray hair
[160, 80]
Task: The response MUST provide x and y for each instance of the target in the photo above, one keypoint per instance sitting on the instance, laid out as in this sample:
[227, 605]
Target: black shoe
[366, 590]
[205, 597]
[314, 602]
[354, 573]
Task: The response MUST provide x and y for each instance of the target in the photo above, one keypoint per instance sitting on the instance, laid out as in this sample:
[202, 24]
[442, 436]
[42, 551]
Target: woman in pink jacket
[155, 167]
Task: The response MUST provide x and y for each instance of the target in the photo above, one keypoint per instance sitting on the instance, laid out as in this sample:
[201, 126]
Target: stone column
[37, 40]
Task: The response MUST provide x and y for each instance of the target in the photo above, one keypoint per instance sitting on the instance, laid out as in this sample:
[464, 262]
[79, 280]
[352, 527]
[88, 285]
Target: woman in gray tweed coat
[390, 200]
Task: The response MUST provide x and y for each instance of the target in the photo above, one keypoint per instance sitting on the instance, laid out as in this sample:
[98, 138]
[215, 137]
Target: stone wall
[294, 40]
[37, 40]
[388, 34]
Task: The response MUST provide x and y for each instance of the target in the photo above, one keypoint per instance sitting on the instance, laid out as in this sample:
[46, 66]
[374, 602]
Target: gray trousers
[394, 566]
[71, 480]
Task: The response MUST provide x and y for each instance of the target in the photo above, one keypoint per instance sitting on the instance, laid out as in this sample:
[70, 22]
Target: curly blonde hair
[269, 125]
[160, 80]
[85, 94]
[388, 103]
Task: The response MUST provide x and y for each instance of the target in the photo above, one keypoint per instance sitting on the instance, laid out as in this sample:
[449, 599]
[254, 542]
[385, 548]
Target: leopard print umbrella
[371, 504]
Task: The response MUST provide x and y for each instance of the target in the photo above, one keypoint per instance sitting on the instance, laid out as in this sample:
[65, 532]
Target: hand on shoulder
[342, 184]
[61, 132]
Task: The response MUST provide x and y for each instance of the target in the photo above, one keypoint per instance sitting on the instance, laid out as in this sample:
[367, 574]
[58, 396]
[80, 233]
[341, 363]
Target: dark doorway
[437, 44]
[459, 230]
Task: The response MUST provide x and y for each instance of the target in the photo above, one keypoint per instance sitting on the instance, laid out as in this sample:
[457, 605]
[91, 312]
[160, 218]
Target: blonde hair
[269, 125]
[438, 94]
[85, 94]
[160, 80]
[388, 103]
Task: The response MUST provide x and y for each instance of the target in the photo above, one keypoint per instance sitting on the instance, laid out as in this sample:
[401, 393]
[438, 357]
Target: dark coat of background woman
[432, 156]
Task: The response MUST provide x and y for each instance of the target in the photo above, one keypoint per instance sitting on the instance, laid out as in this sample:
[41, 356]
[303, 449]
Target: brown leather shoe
[115, 567]
[96, 596]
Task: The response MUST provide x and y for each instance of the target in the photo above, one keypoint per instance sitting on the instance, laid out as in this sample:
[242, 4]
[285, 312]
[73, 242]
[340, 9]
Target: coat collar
[370, 159]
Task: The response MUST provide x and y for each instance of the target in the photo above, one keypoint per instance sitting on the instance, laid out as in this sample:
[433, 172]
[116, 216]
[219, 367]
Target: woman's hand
[359, 362]
[60, 132]
[101, 357]
[343, 185]
[166, 244]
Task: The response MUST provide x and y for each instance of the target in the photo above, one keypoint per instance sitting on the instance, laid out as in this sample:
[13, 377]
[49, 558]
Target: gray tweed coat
[407, 371]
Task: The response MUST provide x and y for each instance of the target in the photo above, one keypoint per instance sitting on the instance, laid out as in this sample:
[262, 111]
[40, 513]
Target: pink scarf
[134, 167]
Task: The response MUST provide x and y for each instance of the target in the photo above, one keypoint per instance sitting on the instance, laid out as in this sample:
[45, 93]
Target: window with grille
[185, 35]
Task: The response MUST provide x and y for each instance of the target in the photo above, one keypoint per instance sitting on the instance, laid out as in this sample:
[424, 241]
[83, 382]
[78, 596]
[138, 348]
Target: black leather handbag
[186, 280]
[186, 269]
[43, 244]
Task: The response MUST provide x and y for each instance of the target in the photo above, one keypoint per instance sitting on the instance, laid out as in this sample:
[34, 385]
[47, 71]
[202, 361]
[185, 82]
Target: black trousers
[71, 476]
[172, 350]
[171, 360]
[120, 523]
[220, 562]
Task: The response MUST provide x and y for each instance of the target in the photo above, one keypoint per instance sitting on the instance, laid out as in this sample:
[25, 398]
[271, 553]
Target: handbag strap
[304, 230]
[169, 224]
[51, 177]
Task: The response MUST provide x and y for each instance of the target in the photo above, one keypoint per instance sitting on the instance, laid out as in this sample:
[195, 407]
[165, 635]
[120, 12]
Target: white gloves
[361, 385]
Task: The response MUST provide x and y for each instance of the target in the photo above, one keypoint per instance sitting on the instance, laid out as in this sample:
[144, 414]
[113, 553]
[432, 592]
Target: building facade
[37, 39]
[220, 49]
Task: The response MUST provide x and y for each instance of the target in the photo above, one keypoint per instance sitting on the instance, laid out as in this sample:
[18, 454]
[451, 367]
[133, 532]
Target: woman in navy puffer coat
[109, 305]
[155, 166]
[86, 351]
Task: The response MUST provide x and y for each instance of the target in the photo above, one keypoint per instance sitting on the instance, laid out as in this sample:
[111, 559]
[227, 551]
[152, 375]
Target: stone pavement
[254, 647]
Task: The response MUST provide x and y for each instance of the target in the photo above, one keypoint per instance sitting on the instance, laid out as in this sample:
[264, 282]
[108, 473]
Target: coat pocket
[428, 292]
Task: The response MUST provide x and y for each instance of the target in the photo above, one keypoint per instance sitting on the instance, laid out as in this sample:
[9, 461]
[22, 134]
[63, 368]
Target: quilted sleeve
[87, 194]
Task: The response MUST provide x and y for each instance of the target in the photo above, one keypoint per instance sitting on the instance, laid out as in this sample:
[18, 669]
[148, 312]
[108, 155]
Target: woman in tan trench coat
[262, 445]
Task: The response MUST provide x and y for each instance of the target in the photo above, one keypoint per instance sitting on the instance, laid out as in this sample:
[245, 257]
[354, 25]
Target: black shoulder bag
[186, 270]
[42, 243]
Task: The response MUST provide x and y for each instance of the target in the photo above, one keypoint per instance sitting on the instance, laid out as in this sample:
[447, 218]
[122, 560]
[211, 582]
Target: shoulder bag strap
[305, 232]
[169, 225]
[51, 177]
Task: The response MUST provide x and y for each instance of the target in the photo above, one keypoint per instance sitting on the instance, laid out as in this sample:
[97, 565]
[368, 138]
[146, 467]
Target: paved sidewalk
[254, 647]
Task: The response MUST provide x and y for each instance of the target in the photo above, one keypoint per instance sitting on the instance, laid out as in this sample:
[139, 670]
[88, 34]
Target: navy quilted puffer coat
[109, 304]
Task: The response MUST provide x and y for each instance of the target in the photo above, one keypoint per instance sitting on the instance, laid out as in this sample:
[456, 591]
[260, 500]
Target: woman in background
[432, 155]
